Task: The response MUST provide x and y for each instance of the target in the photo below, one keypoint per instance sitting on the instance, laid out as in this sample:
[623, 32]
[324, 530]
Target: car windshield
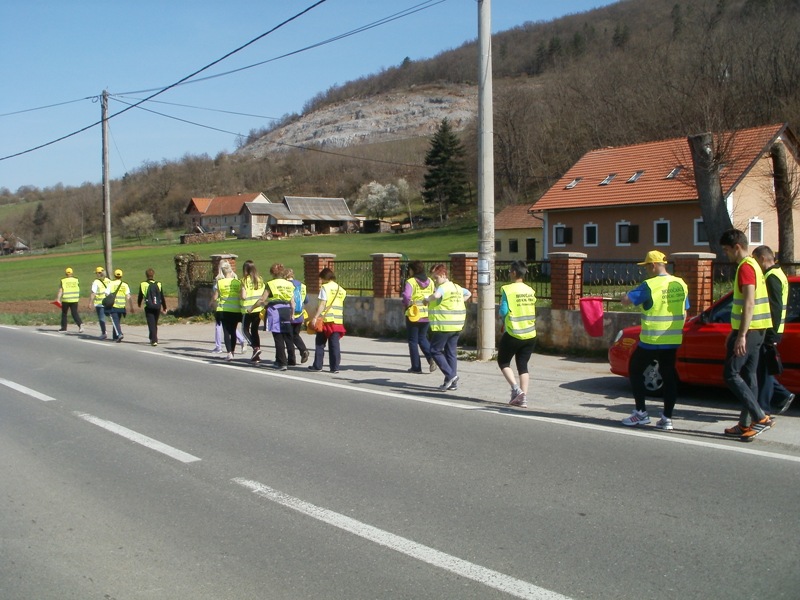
[720, 312]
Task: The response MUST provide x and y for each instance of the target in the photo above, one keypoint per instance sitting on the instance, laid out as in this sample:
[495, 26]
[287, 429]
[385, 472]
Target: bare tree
[709, 189]
[787, 194]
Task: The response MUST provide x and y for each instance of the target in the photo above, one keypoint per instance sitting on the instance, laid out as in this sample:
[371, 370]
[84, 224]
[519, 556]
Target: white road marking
[490, 409]
[8, 327]
[27, 391]
[488, 577]
[138, 438]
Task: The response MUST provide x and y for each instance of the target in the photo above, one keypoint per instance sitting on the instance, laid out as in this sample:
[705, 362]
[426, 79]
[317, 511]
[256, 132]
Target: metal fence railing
[355, 276]
[538, 277]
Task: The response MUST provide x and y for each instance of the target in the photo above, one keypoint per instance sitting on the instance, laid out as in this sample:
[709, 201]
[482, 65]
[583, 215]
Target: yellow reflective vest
[228, 295]
[334, 303]
[123, 290]
[418, 293]
[70, 290]
[520, 322]
[251, 293]
[781, 276]
[761, 316]
[662, 323]
[449, 312]
[280, 290]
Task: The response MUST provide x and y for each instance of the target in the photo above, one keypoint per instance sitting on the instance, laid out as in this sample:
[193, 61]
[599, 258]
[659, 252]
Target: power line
[219, 110]
[25, 110]
[169, 87]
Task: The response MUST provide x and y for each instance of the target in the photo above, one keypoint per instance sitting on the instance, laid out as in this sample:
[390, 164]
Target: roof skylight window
[573, 183]
[608, 179]
[635, 177]
[675, 172]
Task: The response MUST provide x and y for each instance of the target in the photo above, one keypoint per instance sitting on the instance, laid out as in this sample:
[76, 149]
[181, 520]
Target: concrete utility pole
[486, 308]
[106, 188]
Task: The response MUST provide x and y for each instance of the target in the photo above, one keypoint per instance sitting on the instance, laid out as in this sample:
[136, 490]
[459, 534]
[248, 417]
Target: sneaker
[119, 339]
[432, 365]
[304, 357]
[520, 400]
[412, 370]
[448, 383]
[313, 368]
[229, 356]
[334, 371]
[636, 418]
[104, 337]
[664, 424]
[515, 392]
[216, 351]
[454, 387]
[757, 428]
[154, 343]
[737, 430]
[256, 355]
[784, 406]
[80, 328]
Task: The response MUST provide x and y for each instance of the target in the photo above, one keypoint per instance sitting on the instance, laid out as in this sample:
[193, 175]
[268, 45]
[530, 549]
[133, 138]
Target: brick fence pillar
[218, 258]
[566, 279]
[386, 275]
[464, 271]
[312, 265]
[696, 269]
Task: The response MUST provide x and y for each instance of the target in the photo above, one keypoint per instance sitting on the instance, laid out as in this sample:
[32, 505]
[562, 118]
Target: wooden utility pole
[106, 188]
[486, 318]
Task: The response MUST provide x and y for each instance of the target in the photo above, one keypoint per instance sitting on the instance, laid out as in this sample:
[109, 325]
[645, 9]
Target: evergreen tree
[446, 180]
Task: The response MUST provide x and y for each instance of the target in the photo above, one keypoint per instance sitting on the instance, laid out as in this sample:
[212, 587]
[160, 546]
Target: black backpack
[153, 297]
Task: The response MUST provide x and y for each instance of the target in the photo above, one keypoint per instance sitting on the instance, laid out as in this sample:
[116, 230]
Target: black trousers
[152, 314]
[71, 307]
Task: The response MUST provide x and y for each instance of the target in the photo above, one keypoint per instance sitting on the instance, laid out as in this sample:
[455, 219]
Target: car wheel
[653, 382]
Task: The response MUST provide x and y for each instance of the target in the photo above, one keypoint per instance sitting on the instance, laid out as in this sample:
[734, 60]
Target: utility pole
[106, 188]
[486, 304]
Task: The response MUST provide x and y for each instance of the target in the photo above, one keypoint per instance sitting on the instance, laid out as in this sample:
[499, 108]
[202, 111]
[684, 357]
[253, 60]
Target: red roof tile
[228, 205]
[516, 217]
[655, 160]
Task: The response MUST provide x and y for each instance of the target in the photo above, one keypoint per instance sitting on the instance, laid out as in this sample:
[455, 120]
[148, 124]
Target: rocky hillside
[396, 115]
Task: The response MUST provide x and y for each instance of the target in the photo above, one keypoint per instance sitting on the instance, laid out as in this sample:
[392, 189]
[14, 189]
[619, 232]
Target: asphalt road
[137, 472]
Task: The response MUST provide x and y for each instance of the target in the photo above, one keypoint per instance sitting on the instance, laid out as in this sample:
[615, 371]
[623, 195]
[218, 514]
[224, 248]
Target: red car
[701, 356]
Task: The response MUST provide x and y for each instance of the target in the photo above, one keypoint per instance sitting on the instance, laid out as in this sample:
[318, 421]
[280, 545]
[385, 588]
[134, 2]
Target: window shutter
[568, 235]
[633, 234]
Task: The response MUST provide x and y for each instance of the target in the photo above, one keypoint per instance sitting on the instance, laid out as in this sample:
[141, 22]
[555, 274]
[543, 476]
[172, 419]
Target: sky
[57, 57]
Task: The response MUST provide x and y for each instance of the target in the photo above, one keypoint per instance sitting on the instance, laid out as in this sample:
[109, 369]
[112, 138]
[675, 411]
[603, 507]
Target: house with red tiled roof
[222, 213]
[517, 234]
[619, 203]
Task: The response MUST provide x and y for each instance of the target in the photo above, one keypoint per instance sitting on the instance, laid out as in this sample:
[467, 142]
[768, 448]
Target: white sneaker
[229, 356]
[636, 418]
[80, 328]
[664, 423]
[520, 400]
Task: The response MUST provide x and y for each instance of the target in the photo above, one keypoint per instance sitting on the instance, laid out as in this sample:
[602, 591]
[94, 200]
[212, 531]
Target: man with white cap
[69, 293]
[663, 300]
[99, 288]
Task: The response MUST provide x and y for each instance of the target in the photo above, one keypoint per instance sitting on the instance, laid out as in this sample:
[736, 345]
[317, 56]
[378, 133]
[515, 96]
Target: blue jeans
[334, 351]
[101, 317]
[740, 374]
[417, 336]
[444, 346]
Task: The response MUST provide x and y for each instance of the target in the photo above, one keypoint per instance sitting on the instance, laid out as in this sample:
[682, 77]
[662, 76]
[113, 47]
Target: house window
[756, 232]
[562, 235]
[700, 233]
[608, 179]
[573, 183]
[674, 173]
[627, 234]
[513, 246]
[661, 231]
[635, 177]
[590, 234]
[498, 246]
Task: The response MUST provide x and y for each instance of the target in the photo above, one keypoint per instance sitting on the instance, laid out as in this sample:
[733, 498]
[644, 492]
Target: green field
[37, 277]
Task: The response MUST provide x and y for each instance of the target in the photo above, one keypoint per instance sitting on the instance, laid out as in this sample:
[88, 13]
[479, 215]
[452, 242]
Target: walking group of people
[438, 305]
[758, 315]
[112, 298]
[280, 303]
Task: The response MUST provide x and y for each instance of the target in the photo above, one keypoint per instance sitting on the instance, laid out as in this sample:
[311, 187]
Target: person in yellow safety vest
[253, 288]
[750, 319]
[99, 289]
[155, 304]
[663, 300]
[518, 311]
[68, 296]
[771, 392]
[447, 312]
[417, 287]
[278, 297]
[226, 296]
[299, 314]
[330, 309]
[122, 301]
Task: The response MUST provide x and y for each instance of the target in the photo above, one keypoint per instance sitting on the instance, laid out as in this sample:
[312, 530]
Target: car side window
[721, 312]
